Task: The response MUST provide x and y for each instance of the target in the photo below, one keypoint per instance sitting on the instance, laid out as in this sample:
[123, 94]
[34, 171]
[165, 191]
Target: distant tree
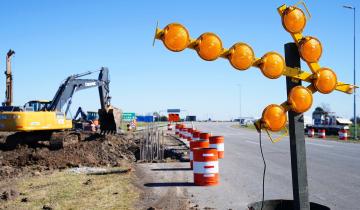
[325, 107]
[357, 120]
[156, 116]
[319, 109]
[163, 118]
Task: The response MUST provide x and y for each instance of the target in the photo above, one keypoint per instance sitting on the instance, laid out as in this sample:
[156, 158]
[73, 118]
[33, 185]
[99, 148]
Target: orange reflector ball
[241, 56]
[176, 37]
[310, 49]
[293, 20]
[274, 117]
[272, 65]
[209, 46]
[300, 99]
[325, 80]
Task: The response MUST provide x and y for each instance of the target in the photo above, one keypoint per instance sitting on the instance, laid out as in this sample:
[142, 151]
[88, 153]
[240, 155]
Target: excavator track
[56, 139]
[61, 139]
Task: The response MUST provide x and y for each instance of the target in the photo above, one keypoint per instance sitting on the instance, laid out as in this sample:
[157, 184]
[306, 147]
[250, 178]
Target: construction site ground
[100, 172]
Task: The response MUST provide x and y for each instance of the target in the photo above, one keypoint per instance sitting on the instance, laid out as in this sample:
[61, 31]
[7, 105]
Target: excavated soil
[18, 157]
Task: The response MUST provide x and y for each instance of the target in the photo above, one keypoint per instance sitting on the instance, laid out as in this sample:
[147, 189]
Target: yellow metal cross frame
[294, 73]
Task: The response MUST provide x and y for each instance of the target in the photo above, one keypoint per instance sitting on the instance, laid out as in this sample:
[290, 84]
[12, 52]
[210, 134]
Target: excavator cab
[36, 105]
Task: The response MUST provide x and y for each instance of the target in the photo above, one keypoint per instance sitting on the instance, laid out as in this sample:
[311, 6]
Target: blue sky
[54, 39]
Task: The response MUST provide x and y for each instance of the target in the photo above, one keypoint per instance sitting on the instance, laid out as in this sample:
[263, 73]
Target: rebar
[152, 143]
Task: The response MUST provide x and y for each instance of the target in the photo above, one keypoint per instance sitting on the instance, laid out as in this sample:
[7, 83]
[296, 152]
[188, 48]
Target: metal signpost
[297, 137]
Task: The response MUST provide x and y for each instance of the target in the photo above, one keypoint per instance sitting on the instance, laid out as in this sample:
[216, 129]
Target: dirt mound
[95, 150]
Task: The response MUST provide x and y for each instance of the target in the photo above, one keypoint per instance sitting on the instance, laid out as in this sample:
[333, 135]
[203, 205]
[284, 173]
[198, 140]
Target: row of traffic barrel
[343, 134]
[205, 152]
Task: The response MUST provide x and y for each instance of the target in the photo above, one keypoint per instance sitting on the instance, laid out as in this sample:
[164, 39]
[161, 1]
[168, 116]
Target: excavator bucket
[110, 120]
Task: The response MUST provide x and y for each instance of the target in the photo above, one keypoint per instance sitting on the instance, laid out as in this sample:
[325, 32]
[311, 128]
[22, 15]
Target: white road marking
[321, 145]
[251, 142]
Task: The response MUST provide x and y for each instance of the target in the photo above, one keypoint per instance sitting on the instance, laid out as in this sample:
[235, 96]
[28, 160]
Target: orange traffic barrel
[183, 132]
[343, 135]
[177, 129]
[204, 136]
[311, 132]
[181, 126]
[217, 142]
[190, 132]
[206, 166]
[196, 135]
[169, 127]
[197, 144]
[322, 133]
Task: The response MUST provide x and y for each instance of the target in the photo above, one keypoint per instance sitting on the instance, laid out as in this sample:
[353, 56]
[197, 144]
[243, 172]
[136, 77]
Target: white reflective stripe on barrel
[219, 147]
[207, 155]
[196, 139]
[341, 134]
[210, 167]
[191, 155]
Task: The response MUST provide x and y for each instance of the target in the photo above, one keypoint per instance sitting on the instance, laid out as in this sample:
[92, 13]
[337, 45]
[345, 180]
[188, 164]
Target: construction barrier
[184, 133]
[190, 132]
[206, 166]
[204, 136]
[217, 142]
[311, 132]
[169, 127]
[197, 144]
[196, 135]
[322, 133]
[343, 134]
[177, 129]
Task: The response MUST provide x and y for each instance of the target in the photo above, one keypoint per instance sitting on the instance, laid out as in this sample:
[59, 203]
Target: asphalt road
[333, 172]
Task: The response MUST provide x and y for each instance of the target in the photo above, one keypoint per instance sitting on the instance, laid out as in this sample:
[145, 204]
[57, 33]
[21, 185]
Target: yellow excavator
[47, 120]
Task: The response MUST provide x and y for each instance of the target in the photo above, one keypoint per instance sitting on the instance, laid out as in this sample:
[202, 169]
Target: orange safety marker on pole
[197, 144]
[217, 142]
[206, 166]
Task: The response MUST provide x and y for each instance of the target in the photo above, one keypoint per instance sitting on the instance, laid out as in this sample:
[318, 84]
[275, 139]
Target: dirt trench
[94, 150]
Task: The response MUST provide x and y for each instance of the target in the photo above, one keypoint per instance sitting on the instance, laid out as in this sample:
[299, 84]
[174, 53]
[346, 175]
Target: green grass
[65, 190]
[252, 127]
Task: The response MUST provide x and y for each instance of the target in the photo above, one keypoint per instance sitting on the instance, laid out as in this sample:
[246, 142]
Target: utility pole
[240, 101]
[355, 118]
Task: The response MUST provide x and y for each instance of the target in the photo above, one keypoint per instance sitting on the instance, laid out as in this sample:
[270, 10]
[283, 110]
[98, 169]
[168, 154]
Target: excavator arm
[109, 116]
